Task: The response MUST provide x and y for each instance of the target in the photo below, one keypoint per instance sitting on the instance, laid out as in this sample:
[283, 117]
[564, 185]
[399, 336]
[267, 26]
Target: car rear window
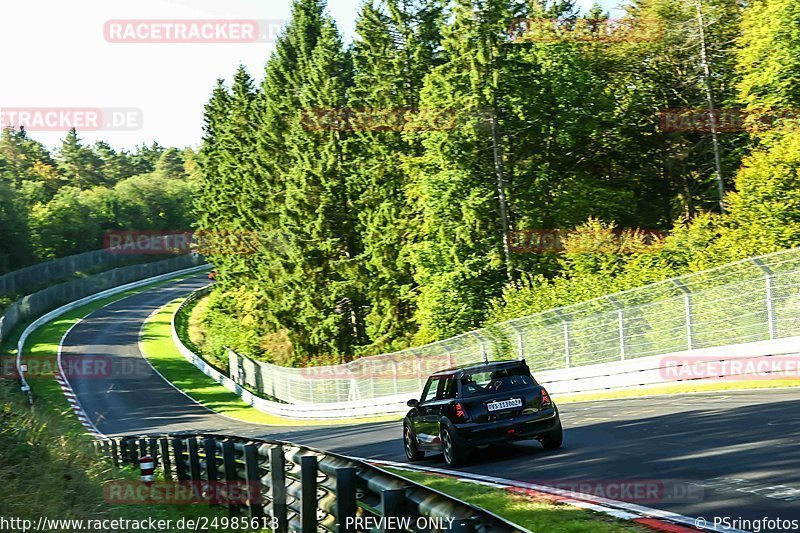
[485, 382]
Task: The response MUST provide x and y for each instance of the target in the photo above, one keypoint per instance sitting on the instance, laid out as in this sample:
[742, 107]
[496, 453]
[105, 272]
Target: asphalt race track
[740, 451]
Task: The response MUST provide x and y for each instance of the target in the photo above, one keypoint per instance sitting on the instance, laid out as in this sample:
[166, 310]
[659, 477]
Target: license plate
[505, 404]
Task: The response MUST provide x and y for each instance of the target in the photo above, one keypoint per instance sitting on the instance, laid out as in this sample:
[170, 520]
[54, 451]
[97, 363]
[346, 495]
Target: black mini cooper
[480, 405]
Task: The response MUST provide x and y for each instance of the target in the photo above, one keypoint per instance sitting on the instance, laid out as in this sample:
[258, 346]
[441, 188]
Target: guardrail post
[620, 325]
[124, 456]
[687, 297]
[768, 274]
[253, 479]
[114, 454]
[166, 466]
[231, 475]
[308, 493]
[277, 472]
[345, 497]
[194, 459]
[152, 448]
[212, 474]
[393, 503]
[180, 466]
[142, 447]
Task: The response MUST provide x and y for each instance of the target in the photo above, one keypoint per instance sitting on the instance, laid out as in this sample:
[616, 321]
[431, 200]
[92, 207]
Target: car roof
[479, 367]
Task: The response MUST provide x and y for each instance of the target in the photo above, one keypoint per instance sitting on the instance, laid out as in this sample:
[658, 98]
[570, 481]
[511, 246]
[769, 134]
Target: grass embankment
[46, 460]
[523, 509]
[160, 350]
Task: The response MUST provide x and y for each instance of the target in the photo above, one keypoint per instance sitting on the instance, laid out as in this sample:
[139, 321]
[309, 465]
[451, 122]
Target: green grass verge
[160, 350]
[523, 510]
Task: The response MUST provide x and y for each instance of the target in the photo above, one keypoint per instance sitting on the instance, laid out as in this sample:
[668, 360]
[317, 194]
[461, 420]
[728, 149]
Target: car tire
[410, 444]
[453, 454]
[553, 439]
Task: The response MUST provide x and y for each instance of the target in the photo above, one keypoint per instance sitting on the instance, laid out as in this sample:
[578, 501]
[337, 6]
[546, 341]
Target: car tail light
[460, 413]
[545, 398]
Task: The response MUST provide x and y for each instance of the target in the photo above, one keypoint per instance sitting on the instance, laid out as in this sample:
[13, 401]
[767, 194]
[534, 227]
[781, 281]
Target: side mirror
[412, 402]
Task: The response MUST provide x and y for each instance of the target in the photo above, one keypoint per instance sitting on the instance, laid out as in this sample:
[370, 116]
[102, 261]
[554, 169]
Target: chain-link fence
[752, 300]
[35, 304]
[28, 279]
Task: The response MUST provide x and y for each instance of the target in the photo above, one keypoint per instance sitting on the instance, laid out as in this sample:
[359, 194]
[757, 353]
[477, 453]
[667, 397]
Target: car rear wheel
[554, 438]
[453, 455]
[410, 442]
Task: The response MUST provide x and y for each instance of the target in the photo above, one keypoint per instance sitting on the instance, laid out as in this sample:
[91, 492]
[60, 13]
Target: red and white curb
[654, 519]
[76, 406]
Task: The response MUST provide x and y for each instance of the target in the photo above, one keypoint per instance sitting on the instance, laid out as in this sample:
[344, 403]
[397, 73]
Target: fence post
[345, 497]
[253, 480]
[567, 348]
[484, 353]
[768, 273]
[520, 343]
[395, 384]
[687, 298]
[420, 383]
[277, 472]
[308, 493]
[620, 326]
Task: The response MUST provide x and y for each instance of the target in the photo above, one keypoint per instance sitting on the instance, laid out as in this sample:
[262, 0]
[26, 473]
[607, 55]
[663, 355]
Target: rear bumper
[523, 427]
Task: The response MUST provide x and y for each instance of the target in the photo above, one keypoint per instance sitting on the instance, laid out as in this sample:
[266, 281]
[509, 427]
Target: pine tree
[398, 44]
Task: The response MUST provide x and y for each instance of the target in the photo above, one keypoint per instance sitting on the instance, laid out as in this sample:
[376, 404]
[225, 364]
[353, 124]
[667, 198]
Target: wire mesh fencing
[752, 300]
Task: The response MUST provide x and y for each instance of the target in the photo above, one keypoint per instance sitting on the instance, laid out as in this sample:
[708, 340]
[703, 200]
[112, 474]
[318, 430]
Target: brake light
[545, 398]
[461, 413]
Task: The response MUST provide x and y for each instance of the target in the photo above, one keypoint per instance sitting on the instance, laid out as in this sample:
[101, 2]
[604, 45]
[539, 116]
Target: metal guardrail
[37, 303]
[23, 280]
[756, 299]
[298, 488]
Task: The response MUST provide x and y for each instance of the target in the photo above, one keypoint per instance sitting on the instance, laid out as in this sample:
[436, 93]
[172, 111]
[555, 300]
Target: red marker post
[147, 465]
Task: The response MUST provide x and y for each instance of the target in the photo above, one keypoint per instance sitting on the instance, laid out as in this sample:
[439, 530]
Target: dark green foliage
[376, 238]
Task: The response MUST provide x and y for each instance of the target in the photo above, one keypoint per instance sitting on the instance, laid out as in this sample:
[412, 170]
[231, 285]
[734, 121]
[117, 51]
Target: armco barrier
[285, 487]
[37, 303]
[23, 280]
[169, 268]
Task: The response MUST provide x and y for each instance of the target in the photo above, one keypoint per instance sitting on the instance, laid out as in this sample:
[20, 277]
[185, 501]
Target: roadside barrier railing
[35, 304]
[287, 487]
[23, 280]
[757, 299]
